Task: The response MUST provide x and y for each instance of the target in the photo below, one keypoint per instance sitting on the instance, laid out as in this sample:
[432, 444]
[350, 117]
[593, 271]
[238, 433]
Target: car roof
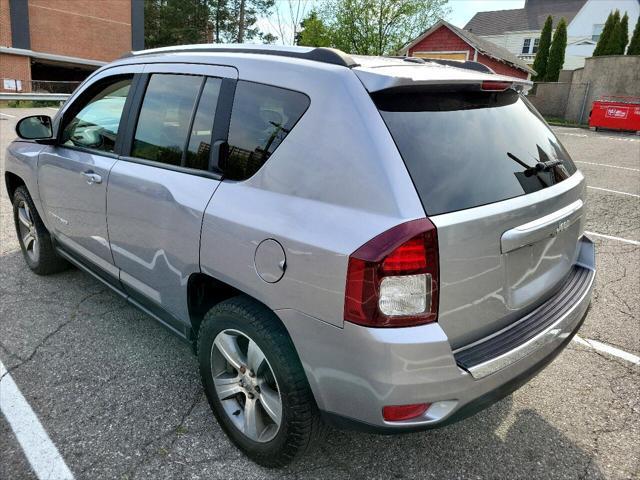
[375, 72]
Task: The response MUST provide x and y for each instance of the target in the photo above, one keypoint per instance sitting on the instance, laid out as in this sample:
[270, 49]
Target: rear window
[466, 149]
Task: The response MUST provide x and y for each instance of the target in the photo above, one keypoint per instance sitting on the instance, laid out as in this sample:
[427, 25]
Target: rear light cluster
[392, 280]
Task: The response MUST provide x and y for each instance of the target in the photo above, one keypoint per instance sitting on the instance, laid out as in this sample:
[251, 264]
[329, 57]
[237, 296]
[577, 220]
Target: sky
[461, 13]
[463, 10]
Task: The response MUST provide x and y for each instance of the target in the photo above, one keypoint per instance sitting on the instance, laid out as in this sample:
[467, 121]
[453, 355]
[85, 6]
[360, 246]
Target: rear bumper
[355, 371]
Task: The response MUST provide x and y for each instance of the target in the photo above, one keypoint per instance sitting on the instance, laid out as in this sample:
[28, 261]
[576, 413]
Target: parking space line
[7, 115]
[42, 454]
[613, 191]
[603, 347]
[611, 237]
[607, 165]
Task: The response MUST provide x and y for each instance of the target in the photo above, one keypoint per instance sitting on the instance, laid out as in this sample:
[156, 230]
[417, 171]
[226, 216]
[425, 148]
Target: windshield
[466, 149]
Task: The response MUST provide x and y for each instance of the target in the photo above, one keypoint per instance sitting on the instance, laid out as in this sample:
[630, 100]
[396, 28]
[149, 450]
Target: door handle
[92, 177]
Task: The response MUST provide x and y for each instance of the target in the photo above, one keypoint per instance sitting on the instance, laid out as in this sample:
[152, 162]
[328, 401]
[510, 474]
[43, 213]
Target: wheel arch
[12, 182]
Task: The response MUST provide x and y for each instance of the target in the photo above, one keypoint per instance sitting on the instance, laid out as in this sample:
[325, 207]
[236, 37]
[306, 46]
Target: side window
[200, 138]
[261, 118]
[95, 126]
[165, 118]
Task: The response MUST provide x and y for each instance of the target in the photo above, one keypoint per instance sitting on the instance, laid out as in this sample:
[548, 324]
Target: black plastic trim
[221, 122]
[319, 54]
[133, 111]
[537, 321]
[175, 168]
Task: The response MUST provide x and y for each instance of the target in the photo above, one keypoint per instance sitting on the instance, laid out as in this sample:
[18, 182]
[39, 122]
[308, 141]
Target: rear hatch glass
[470, 148]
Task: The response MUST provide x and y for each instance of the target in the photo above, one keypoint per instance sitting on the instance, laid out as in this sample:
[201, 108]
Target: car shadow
[147, 370]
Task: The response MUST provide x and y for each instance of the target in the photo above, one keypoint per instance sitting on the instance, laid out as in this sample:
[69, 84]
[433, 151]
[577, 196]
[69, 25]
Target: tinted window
[95, 126]
[200, 138]
[165, 118]
[467, 149]
[261, 118]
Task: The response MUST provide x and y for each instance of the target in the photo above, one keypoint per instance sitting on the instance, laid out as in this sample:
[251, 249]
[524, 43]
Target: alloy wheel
[27, 229]
[246, 385]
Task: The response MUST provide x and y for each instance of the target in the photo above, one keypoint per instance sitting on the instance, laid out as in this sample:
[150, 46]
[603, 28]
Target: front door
[158, 193]
[73, 174]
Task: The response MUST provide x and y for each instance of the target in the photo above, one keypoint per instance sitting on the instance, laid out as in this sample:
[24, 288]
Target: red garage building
[446, 41]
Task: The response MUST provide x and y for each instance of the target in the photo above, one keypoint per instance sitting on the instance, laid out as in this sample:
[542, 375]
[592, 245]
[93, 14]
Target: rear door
[73, 174]
[503, 193]
[160, 188]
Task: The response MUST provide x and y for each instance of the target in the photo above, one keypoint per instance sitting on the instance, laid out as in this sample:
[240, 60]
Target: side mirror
[36, 127]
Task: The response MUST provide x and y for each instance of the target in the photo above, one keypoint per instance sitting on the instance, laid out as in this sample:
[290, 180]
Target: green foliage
[542, 56]
[556, 52]
[179, 22]
[33, 103]
[314, 32]
[634, 44]
[613, 44]
[603, 41]
[623, 36]
[378, 27]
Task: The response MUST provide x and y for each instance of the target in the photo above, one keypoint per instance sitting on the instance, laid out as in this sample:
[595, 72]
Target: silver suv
[383, 244]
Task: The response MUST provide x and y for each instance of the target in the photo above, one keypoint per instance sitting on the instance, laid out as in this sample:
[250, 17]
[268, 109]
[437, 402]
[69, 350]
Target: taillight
[493, 86]
[392, 280]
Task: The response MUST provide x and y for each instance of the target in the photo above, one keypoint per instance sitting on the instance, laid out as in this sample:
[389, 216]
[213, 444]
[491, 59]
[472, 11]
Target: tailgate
[503, 193]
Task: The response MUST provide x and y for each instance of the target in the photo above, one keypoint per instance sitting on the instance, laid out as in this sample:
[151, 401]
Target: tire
[240, 321]
[34, 238]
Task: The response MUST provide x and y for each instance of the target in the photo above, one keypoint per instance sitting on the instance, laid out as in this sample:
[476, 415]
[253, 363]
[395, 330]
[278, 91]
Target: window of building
[261, 118]
[200, 139]
[536, 44]
[597, 31]
[165, 118]
[95, 126]
[526, 45]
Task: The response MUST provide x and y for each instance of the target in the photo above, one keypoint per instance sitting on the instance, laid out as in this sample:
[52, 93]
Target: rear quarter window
[262, 117]
[466, 149]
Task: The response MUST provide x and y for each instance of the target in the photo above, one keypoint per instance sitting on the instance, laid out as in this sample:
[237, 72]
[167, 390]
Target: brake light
[392, 280]
[493, 86]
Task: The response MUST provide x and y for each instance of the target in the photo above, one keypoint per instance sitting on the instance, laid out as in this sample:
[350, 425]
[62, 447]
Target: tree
[613, 44]
[605, 35]
[241, 25]
[178, 22]
[289, 20]
[378, 27]
[556, 52]
[542, 56]
[175, 22]
[314, 32]
[623, 36]
[634, 44]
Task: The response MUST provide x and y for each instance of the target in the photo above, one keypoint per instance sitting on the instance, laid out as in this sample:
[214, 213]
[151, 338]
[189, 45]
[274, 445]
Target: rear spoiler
[432, 74]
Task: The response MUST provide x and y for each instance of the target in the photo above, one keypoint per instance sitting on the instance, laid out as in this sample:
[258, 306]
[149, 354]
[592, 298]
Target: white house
[518, 30]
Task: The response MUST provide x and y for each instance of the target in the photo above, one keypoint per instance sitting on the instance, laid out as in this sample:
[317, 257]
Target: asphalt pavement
[119, 396]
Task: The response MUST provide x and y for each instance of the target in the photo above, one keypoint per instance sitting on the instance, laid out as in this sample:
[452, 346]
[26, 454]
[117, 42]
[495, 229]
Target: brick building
[446, 41]
[64, 40]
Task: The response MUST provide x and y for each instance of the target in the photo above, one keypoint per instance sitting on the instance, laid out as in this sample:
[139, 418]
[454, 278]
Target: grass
[29, 103]
[561, 122]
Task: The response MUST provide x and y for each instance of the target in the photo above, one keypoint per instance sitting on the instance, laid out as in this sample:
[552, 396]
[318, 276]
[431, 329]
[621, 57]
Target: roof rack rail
[317, 54]
[466, 64]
